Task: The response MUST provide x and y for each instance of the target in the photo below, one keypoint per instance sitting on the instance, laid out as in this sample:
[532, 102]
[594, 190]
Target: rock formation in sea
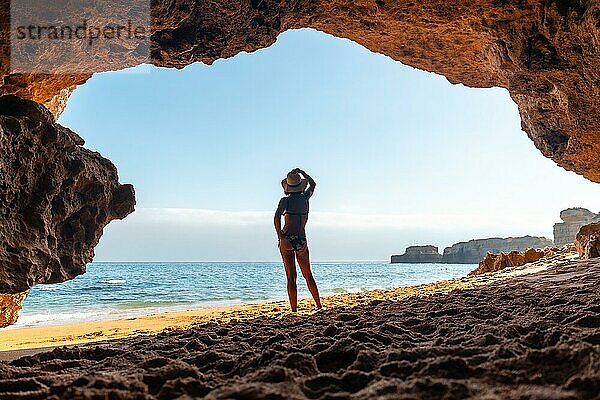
[473, 251]
[418, 254]
[588, 241]
[573, 219]
[55, 199]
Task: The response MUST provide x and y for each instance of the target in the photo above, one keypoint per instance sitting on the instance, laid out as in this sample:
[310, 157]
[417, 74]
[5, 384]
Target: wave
[48, 288]
[150, 304]
[58, 318]
[113, 281]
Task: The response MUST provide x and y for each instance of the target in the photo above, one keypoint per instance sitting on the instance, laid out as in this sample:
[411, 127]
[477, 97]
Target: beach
[107, 329]
[116, 290]
[526, 332]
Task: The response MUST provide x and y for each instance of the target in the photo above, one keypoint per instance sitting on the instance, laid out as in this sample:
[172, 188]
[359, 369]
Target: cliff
[55, 199]
[573, 220]
[587, 242]
[418, 255]
[473, 251]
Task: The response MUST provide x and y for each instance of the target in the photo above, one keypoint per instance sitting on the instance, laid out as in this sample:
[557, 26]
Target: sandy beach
[526, 332]
[86, 332]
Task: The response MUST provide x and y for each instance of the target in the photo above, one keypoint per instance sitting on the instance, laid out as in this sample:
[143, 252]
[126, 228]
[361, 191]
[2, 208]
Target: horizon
[267, 215]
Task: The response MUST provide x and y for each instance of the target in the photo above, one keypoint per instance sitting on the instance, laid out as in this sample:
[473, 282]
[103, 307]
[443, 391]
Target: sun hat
[294, 183]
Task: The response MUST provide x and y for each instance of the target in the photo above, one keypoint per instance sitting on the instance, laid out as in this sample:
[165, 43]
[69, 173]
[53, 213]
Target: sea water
[121, 290]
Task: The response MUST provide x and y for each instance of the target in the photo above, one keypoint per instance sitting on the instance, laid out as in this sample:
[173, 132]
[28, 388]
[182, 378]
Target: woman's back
[296, 213]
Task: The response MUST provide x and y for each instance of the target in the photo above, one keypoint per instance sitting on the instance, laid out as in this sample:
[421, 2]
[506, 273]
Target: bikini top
[297, 204]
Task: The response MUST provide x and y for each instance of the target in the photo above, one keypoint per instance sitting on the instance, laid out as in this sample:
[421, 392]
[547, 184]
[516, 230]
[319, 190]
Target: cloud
[175, 234]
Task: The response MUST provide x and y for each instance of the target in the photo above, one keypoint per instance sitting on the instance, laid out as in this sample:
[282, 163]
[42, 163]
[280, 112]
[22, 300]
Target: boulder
[10, 304]
[587, 242]
[55, 199]
[573, 219]
[497, 262]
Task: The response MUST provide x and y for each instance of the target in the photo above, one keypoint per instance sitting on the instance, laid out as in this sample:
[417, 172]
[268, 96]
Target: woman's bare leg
[303, 257]
[287, 255]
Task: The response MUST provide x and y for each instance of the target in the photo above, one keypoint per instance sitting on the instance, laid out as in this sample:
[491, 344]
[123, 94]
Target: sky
[401, 156]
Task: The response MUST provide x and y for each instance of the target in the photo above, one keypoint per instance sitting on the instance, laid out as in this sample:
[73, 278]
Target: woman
[298, 187]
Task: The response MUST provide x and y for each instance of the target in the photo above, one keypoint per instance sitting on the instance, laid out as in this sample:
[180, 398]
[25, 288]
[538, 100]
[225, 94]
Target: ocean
[122, 290]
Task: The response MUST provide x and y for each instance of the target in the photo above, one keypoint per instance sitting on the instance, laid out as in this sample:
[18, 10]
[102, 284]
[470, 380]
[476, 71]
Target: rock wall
[418, 255]
[573, 219]
[496, 262]
[55, 198]
[588, 241]
[473, 251]
[10, 304]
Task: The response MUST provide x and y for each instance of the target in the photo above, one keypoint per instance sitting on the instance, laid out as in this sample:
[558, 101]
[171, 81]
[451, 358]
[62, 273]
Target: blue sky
[401, 156]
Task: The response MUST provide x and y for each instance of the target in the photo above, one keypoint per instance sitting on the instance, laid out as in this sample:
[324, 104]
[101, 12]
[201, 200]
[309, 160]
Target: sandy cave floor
[533, 336]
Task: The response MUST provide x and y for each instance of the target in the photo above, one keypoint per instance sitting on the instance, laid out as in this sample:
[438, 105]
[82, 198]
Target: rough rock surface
[545, 52]
[496, 262]
[533, 337]
[55, 198]
[10, 304]
[418, 254]
[573, 219]
[473, 251]
[588, 241]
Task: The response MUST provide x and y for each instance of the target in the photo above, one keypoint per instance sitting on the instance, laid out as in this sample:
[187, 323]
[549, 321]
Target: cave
[57, 196]
[534, 335]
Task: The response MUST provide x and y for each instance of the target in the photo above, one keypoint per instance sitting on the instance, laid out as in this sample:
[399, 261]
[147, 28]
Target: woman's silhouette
[298, 187]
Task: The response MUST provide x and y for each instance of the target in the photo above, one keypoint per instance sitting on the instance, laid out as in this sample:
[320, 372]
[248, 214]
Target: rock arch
[546, 53]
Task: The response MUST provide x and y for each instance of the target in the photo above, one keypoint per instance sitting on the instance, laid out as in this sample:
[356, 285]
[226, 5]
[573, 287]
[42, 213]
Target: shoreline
[111, 292]
[49, 336]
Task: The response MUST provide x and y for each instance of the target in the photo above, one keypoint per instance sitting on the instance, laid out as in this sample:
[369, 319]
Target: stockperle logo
[73, 36]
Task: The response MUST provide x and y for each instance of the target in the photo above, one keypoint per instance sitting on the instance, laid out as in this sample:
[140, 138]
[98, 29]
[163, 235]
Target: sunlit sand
[86, 332]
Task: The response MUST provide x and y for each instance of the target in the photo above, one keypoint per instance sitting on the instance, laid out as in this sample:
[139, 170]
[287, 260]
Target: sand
[86, 332]
[530, 332]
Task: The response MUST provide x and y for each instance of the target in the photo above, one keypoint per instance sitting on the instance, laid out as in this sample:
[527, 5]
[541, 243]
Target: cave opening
[402, 156]
[217, 138]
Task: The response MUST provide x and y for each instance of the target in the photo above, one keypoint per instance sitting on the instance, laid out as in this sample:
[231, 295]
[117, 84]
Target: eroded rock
[573, 219]
[473, 251]
[10, 304]
[588, 241]
[55, 198]
[496, 262]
